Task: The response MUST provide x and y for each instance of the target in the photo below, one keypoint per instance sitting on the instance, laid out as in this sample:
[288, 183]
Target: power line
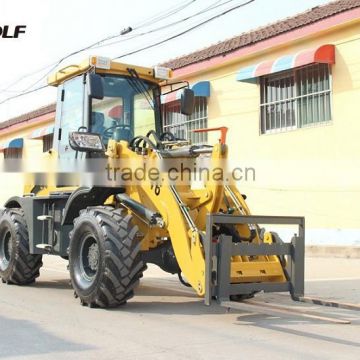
[211, 7]
[99, 44]
[24, 77]
[161, 15]
[184, 32]
[95, 45]
[154, 19]
[23, 93]
[145, 47]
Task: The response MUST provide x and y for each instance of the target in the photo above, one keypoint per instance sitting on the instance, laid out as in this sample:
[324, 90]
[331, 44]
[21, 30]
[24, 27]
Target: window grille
[181, 125]
[48, 142]
[295, 99]
[13, 153]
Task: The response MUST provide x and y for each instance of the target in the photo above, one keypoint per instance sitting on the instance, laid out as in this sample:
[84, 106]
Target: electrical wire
[163, 27]
[183, 32]
[163, 14]
[23, 93]
[28, 91]
[99, 43]
[6, 89]
[154, 19]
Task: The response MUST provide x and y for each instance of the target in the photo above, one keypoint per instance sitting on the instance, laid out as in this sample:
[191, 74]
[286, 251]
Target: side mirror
[187, 102]
[85, 141]
[95, 86]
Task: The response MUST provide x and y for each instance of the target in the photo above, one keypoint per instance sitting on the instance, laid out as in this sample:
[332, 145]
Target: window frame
[199, 122]
[46, 142]
[61, 141]
[154, 91]
[10, 152]
[292, 73]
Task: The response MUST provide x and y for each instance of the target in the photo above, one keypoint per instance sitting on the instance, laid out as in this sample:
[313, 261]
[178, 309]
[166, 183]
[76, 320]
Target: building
[288, 92]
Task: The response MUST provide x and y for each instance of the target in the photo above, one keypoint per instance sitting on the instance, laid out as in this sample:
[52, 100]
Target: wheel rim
[88, 261]
[5, 250]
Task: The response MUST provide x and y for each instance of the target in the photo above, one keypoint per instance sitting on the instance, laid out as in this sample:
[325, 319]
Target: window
[295, 99]
[106, 113]
[127, 108]
[71, 113]
[48, 142]
[181, 125]
[13, 153]
[144, 114]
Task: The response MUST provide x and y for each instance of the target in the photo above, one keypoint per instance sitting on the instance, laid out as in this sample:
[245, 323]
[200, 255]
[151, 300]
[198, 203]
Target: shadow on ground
[165, 296]
[23, 337]
[281, 325]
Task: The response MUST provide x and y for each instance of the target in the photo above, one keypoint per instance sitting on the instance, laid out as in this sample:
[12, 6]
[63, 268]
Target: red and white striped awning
[322, 54]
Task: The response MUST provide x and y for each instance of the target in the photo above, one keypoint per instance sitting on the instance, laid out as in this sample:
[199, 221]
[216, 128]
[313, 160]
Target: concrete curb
[333, 251]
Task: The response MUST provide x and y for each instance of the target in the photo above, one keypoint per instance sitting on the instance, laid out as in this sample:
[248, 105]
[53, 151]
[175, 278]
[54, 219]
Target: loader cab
[125, 107]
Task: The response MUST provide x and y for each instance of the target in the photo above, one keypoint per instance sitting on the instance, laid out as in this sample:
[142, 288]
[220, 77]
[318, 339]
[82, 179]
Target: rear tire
[104, 257]
[17, 265]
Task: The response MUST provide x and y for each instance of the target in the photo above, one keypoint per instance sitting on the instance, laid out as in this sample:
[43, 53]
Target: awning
[324, 54]
[201, 88]
[12, 144]
[38, 133]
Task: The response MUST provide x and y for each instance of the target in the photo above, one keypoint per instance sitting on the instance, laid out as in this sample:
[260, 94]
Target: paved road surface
[166, 321]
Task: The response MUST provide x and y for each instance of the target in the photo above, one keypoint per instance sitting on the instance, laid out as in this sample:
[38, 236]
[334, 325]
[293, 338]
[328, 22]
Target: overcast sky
[56, 28]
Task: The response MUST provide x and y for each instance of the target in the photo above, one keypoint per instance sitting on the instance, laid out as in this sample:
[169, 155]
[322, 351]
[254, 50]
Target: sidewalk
[333, 251]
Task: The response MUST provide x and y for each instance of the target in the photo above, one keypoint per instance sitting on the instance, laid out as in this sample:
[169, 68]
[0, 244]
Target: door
[69, 115]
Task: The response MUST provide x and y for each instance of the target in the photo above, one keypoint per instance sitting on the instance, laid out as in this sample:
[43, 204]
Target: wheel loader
[111, 111]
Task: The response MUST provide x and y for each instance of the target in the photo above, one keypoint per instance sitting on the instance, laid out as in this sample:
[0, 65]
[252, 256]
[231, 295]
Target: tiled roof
[308, 17]
[28, 116]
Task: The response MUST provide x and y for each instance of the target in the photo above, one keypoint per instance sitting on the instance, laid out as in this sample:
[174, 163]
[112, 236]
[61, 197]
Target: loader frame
[218, 258]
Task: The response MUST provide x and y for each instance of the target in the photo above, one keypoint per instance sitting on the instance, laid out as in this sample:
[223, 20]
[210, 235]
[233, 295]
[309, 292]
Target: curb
[333, 251]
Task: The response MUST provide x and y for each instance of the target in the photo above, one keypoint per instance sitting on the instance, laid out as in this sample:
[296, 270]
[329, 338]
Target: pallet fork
[218, 256]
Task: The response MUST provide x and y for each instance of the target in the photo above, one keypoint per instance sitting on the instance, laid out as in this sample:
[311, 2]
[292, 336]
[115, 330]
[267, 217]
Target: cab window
[127, 109]
[105, 115]
[71, 114]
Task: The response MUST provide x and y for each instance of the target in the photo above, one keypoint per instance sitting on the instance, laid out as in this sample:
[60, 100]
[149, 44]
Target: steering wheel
[107, 131]
[167, 135]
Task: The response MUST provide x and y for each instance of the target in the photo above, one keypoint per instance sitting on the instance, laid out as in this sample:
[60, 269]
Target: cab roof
[103, 65]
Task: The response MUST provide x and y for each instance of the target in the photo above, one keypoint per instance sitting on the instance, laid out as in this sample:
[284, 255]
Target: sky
[56, 28]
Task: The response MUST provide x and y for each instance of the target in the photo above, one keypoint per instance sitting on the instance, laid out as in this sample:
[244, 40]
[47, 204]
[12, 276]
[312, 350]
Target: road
[166, 321]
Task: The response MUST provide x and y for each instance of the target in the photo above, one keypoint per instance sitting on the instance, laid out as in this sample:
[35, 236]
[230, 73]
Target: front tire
[104, 257]
[17, 265]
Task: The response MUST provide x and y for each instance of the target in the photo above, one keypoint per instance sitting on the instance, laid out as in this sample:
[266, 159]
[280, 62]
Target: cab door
[69, 115]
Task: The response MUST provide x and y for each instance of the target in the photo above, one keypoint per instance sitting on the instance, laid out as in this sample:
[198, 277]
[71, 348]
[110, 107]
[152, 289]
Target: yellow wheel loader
[111, 112]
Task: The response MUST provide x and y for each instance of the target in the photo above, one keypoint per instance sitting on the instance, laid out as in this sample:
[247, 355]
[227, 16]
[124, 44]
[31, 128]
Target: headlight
[84, 141]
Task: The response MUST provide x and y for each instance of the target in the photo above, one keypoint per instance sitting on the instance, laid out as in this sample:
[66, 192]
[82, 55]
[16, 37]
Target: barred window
[47, 142]
[181, 125]
[295, 99]
[13, 153]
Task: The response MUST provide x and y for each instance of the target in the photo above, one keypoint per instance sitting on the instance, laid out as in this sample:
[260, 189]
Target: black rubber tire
[17, 265]
[119, 264]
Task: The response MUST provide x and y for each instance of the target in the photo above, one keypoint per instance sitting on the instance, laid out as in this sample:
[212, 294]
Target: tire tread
[25, 267]
[123, 264]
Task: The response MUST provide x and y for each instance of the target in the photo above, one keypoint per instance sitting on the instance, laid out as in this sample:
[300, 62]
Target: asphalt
[167, 321]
